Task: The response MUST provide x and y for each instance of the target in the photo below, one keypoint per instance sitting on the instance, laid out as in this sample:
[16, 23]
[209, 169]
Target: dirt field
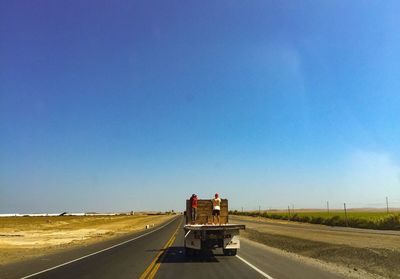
[376, 252]
[27, 237]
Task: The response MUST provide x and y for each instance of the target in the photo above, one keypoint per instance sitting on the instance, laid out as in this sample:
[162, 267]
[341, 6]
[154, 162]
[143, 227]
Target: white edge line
[94, 253]
[255, 268]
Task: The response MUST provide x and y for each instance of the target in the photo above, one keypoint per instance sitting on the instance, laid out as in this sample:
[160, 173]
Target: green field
[356, 219]
[350, 214]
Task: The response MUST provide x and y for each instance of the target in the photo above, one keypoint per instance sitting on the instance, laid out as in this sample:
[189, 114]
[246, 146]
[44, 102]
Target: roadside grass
[365, 220]
[44, 223]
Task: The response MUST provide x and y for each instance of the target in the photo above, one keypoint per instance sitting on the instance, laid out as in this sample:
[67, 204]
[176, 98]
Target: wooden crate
[204, 212]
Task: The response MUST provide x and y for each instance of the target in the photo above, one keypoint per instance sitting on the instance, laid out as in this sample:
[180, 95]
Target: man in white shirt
[216, 208]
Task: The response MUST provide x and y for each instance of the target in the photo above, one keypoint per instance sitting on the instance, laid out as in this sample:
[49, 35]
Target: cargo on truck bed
[204, 212]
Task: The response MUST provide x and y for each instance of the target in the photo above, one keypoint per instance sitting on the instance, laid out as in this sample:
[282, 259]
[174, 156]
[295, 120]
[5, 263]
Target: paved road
[160, 254]
[216, 265]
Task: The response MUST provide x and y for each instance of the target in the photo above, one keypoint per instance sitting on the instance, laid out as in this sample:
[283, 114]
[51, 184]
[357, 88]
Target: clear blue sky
[135, 105]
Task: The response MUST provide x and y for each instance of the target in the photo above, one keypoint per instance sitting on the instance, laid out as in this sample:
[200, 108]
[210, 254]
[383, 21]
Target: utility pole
[327, 206]
[242, 209]
[259, 210]
[292, 208]
[387, 205]
[288, 209]
[345, 214]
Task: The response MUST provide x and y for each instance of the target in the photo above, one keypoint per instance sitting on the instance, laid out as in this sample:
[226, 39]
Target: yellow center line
[151, 270]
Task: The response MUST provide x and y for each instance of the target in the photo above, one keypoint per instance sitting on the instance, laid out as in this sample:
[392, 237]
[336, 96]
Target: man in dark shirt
[193, 207]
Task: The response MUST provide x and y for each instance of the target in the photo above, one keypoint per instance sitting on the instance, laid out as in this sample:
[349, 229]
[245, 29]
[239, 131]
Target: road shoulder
[356, 255]
[280, 263]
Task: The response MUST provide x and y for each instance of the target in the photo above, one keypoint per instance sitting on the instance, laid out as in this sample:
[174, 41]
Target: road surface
[159, 253]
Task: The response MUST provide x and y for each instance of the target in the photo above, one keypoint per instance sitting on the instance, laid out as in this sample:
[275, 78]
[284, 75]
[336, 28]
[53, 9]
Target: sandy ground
[27, 237]
[364, 251]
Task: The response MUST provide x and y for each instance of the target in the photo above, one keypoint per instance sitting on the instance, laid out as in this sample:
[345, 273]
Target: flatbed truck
[202, 235]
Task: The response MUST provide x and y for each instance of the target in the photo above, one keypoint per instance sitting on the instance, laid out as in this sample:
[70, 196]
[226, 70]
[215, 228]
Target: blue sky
[132, 105]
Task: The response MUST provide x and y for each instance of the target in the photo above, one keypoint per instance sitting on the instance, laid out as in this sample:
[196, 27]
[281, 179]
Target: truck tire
[230, 252]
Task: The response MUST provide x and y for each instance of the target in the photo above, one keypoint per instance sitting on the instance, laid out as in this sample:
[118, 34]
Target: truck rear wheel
[230, 252]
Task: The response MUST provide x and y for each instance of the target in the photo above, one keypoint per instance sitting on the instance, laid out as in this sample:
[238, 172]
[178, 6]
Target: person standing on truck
[193, 207]
[216, 208]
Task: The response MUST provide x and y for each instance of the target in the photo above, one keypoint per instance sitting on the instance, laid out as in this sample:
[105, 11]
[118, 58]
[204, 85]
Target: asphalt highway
[253, 261]
[159, 253]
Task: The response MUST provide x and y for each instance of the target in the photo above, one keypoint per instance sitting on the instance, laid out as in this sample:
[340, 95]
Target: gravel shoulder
[364, 251]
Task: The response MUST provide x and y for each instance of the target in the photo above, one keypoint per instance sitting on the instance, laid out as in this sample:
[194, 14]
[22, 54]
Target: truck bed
[199, 227]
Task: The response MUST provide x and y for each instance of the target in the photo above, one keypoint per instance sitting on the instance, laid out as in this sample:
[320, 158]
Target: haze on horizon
[132, 105]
